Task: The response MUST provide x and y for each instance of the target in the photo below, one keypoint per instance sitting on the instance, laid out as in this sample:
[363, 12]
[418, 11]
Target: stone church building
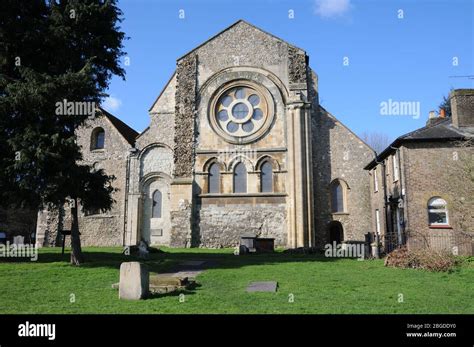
[237, 145]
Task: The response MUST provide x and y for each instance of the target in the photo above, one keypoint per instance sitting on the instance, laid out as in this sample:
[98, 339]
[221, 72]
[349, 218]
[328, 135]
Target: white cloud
[111, 103]
[332, 8]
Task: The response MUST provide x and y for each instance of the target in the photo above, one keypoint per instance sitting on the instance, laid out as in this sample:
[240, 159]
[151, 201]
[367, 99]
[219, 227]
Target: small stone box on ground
[134, 281]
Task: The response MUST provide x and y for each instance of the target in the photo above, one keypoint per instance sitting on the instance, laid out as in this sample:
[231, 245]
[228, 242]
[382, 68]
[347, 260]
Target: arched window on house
[337, 197]
[240, 178]
[157, 204]
[266, 177]
[98, 139]
[214, 178]
[438, 211]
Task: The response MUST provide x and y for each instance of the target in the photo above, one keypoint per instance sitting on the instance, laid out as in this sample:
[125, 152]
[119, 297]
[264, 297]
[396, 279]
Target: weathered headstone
[18, 240]
[134, 281]
[142, 250]
[270, 286]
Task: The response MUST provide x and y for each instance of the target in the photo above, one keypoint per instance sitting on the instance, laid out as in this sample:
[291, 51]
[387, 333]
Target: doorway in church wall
[156, 212]
[336, 232]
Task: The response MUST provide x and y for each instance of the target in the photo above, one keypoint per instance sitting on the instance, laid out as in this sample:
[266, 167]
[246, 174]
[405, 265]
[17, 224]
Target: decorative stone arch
[158, 162]
[210, 161]
[155, 229]
[240, 158]
[229, 73]
[267, 158]
[153, 176]
[151, 146]
[266, 177]
[345, 190]
[215, 186]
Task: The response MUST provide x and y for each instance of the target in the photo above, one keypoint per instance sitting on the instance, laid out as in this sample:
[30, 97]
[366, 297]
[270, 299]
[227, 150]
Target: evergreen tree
[446, 105]
[51, 51]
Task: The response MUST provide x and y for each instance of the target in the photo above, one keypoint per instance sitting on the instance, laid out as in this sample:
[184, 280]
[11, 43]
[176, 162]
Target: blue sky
[392, 55]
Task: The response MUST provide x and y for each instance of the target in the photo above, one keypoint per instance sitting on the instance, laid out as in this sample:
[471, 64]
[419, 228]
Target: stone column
[133, 233]
[291, 179]
[309, 176]
[300, 177]
[134, 202]
[181, 205]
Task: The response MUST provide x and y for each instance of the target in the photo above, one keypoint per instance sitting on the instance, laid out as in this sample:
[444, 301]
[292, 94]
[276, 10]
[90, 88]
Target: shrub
[423, 258]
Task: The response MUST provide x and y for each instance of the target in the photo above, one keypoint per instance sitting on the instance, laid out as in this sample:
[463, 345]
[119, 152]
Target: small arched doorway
[336, 232]
[156, 219]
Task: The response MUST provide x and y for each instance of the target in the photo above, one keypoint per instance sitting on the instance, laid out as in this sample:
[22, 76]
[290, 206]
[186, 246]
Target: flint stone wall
[223, 226]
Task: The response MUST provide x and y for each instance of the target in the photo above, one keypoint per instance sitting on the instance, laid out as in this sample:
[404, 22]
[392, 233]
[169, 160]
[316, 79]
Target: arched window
[214, 179]
[337, 197]
[266, 177]
[240, 178]
[157, 204]
[98, 138]
[438, 211]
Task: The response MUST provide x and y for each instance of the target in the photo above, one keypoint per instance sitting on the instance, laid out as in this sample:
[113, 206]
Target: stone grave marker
[134, 281]
[270, 286]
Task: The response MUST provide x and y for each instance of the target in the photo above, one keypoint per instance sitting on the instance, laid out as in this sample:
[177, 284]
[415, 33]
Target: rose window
[241, 111]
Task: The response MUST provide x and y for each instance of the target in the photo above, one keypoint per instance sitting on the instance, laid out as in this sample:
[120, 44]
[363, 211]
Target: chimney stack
[432, 119]
[462, 107]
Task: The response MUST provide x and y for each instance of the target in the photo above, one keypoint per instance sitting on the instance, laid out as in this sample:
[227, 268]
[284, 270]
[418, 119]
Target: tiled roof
[439, 130]
[127, 132]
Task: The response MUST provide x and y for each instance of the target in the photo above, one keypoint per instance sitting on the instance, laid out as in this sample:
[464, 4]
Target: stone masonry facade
[238, 145]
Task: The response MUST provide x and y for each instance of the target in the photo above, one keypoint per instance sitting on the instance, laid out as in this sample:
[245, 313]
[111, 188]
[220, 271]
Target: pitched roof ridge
[428, 126]
[230, 27]
[127, 132]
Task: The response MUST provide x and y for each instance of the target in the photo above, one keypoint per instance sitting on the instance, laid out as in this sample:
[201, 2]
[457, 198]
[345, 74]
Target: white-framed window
[437, 212]
[377, 221]
[395, 168]
[376, 183]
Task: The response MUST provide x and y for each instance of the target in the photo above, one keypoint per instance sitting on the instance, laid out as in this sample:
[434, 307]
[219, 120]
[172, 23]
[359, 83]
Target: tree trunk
[77, 257]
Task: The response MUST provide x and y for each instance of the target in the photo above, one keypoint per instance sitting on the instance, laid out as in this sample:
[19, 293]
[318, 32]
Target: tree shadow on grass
[168, 261]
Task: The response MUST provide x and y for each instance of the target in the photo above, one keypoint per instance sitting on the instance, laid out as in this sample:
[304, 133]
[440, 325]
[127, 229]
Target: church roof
[441, 130]
[127, 132]
[239, 22]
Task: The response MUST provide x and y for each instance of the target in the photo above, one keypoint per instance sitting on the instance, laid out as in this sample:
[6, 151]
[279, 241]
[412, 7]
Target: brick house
[421, 186]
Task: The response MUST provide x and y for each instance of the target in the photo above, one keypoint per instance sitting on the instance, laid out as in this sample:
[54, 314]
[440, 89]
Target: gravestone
[134, 281]
[270, 286]
[143, 250]
[18, 240]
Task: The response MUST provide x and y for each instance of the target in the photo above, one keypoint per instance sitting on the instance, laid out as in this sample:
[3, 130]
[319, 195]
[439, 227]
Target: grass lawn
[318, 285]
